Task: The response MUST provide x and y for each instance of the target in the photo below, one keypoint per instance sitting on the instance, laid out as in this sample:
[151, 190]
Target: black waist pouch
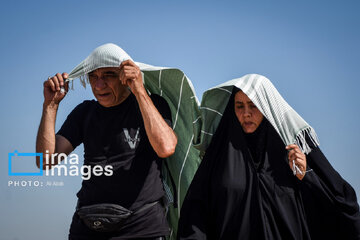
[106, 217]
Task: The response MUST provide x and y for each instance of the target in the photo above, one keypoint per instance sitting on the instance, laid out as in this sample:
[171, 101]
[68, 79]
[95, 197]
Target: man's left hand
[130, 75]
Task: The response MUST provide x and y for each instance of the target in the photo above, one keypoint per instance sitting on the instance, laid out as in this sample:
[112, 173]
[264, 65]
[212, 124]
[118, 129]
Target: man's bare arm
[46, 139]
[161, 136]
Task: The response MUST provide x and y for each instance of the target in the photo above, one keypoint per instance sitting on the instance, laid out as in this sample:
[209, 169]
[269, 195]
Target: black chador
[245, 189]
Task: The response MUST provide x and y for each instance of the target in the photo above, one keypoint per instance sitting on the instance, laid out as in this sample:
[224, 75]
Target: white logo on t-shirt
[131, 141]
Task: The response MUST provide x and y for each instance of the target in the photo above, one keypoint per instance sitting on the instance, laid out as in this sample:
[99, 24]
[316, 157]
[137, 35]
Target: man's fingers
[124, 63]
[56, 82]
[50, 84]
[128, 74]
[131, 72]
[60, 78]
[128, 62]
[55, 88]
[121, 66]
[65, 76]
[130, 69]
[122, 78]
[67, 86]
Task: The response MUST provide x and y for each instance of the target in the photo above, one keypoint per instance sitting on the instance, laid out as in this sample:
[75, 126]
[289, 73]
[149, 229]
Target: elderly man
[126, 129]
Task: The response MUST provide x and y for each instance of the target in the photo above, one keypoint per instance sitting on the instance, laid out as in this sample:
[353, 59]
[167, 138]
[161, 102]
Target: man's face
[247, 113]
[106, 86]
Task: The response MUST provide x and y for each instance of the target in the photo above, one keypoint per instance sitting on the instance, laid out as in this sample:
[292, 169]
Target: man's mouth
[102, 95]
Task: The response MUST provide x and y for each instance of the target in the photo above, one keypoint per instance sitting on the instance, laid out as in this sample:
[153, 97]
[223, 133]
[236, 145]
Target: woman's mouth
[248, 124]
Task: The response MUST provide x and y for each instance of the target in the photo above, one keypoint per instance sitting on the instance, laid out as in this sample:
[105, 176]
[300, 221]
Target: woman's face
[247, 113]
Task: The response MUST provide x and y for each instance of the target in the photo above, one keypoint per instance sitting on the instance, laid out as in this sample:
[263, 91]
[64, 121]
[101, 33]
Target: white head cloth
[107, 55]
[291, 127]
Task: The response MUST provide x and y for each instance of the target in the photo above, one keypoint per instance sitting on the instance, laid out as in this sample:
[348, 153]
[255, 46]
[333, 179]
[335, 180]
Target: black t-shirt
[116, 136]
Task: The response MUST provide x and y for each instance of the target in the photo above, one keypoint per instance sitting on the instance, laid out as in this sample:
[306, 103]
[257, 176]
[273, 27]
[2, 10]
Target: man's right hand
[52, 89]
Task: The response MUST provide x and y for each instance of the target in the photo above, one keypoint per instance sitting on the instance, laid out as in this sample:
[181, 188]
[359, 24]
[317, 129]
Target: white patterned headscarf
[107, 55]
[291, 127]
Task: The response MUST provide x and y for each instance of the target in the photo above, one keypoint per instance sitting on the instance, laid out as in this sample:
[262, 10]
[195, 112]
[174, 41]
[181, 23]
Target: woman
[245, 188]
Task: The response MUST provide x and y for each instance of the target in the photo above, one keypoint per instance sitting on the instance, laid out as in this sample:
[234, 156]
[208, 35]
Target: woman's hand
[296, 156]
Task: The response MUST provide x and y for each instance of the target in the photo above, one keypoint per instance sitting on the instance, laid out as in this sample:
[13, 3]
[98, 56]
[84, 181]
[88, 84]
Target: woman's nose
[247, 112]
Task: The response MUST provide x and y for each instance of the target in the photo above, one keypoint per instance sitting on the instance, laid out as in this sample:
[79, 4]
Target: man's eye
[92, 77]
[239, 106]
[110, 75]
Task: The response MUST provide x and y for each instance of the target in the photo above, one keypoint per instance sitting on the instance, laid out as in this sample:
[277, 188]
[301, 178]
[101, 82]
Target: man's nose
[100, 84]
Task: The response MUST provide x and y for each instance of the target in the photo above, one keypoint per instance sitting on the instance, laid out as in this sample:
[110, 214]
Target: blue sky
[310, 51]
